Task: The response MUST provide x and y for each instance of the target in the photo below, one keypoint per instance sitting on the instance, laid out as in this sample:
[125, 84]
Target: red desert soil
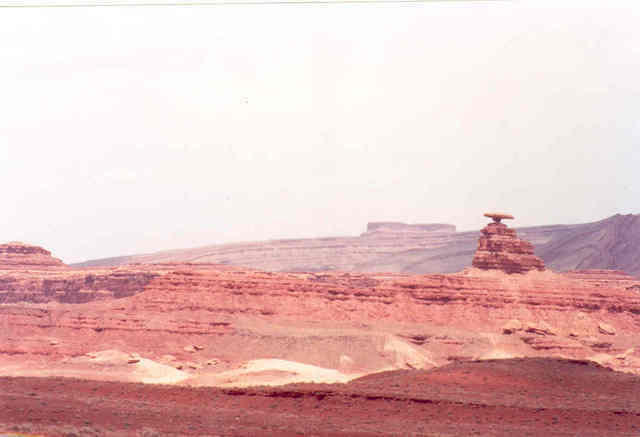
[517, 397]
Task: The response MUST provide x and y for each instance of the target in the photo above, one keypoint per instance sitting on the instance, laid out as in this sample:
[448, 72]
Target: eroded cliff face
[205, 320]
[16, 255]
[30, 274]
[217, 325]
[71, 286]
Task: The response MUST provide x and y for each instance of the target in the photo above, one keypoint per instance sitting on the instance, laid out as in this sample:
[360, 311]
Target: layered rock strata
[368, 321]
[71, 286]
[207, 320]
[17, 255]
[499, 248]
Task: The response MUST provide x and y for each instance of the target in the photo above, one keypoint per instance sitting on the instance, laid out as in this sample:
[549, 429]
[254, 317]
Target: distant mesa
[17, 255]
[499, 248]
[409, 228]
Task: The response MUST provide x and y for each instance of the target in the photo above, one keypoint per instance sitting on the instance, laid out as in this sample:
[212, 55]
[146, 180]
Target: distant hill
[612, 243]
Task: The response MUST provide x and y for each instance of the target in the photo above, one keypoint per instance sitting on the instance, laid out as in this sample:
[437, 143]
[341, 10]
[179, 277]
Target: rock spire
[499, 248]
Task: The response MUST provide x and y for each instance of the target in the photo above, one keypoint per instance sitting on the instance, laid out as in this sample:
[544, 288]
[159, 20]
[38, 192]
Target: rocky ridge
[612, 243]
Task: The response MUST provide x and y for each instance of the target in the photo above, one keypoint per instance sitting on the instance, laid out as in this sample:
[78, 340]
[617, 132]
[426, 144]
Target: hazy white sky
[128, 130]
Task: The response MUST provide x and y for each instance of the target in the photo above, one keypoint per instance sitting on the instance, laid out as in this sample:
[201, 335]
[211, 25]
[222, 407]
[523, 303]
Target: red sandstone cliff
[344, 321]
[71, 286]
[204, 321]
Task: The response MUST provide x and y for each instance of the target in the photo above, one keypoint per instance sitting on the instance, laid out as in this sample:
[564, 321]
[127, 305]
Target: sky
[128, 130]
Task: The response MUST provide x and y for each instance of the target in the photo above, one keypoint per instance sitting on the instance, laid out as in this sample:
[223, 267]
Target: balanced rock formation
[499, 248]
[17, 255]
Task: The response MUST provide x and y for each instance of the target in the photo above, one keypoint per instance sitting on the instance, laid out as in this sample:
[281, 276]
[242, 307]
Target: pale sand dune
[106, 365]
[272, 372]
[152, 372]
[279, 372]
[136, 368]
[498, 354]
[405, 355]
[113, 364]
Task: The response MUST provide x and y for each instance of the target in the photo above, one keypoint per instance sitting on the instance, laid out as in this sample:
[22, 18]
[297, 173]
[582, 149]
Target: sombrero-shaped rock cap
[497, 216]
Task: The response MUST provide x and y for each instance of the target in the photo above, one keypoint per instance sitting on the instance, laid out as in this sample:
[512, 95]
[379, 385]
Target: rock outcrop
[30, 274]
[69, 286]
[17, 255]
[499, 248]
